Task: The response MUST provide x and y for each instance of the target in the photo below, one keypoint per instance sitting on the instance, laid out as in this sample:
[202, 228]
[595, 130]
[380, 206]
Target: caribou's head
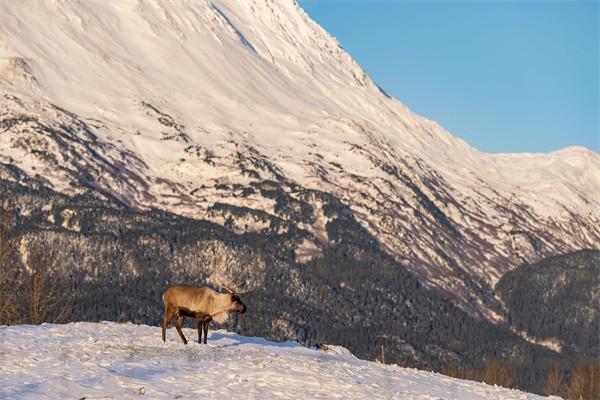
[236, 303]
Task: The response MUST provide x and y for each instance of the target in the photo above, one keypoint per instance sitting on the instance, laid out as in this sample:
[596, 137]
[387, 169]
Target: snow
[553, 344]
[112, 360]
[261, 71]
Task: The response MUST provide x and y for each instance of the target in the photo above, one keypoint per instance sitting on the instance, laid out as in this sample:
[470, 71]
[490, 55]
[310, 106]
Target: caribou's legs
[178, 326]
[205, 331]
[169, 314]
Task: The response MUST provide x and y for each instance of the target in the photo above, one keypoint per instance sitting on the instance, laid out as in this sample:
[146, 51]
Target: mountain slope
[85, 360]
[564, 291]
[113, 263]
[196, 107]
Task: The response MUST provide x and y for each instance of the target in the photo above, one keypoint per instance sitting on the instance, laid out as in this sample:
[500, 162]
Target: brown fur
[203, 304]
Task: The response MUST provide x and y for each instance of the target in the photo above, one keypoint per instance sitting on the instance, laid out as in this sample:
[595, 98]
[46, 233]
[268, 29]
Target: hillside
[109, 360]
[232, 111]
[564, 291]
[114, 264]
[235, 142]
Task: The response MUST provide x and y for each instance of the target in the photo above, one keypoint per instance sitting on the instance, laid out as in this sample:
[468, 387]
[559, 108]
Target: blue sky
[505, 76]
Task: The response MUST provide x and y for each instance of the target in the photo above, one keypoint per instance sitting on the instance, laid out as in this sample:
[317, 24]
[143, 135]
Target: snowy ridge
[110, 360]
[183, 105]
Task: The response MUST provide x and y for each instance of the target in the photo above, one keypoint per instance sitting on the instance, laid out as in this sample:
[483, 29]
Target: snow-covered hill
[110, 360]
[185, 106]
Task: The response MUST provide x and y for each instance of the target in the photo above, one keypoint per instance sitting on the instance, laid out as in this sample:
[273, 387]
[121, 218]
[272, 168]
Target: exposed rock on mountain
[192, 107]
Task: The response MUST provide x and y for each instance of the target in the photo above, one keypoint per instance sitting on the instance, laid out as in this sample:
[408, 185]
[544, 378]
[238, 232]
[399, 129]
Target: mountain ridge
[184, 107]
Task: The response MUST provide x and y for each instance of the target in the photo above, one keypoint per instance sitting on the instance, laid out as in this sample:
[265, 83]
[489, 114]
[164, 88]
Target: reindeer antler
[235, 291]
[226, 288]
[220, 284]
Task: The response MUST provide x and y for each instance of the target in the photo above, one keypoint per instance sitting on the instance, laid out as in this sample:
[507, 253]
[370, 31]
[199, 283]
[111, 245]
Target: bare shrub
[585, 380]
[30, 291]
[9, 310]
[555, 380]
[43, 298]
[496, 372]
[454, 371]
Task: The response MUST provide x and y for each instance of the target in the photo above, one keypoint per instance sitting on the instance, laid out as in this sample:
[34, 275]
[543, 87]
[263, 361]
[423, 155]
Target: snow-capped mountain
[186, 106]
[110, 360]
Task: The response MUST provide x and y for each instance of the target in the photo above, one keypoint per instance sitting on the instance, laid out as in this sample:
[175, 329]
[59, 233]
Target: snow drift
[110, 360]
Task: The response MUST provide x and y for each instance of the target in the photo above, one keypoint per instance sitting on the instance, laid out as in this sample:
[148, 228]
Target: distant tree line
[580, 381]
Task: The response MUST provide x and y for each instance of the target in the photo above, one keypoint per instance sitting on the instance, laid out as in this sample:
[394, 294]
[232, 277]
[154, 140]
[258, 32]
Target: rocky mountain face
[235, 141]
[196, 108]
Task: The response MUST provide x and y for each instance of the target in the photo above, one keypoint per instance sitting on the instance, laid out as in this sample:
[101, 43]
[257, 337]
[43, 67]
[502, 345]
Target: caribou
[202, 303]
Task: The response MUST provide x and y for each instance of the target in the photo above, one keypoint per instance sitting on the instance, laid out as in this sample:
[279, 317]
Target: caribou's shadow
[239, 340]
